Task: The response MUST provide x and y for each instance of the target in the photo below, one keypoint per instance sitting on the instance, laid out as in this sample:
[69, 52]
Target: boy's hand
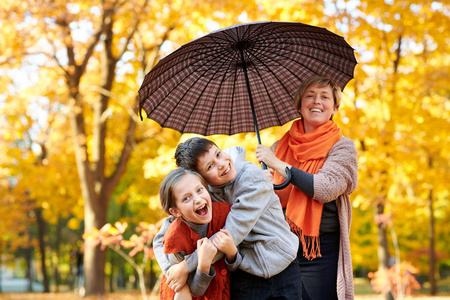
[206, 252]
[223, 241]
[177, 276]
[269, 174]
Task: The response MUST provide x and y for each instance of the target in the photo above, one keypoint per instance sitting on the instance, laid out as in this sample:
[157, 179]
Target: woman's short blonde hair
[322, 82]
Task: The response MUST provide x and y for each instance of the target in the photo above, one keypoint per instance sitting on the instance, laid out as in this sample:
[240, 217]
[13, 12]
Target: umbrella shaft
[247, 82]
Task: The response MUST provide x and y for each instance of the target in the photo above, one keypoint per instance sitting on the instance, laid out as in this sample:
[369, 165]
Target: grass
[137, 296]
[363, 291]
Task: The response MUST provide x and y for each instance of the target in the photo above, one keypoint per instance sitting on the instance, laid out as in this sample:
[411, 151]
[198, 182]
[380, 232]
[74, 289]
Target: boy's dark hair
[188, 153]
[166, 188]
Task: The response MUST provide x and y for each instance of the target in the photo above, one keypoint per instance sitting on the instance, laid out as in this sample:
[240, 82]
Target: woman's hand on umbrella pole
[266, 155]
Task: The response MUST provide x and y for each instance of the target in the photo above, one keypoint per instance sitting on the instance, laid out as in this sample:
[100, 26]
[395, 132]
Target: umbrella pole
[263, 165]
[247, 81]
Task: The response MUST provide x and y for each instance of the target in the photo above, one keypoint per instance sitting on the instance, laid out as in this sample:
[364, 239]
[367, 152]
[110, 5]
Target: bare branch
[129, 37]
[128, 145]
[5, 60]
[115, 99]
[94, 40]
[398, 53]
[67, 39]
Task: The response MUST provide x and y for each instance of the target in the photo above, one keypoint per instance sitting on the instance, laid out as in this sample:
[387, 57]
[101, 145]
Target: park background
[76, 156]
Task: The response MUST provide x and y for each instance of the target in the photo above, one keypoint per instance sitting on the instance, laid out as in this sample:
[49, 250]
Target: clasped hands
[206, 249]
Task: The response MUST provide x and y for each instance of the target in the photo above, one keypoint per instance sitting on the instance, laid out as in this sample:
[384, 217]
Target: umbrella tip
[140, 113]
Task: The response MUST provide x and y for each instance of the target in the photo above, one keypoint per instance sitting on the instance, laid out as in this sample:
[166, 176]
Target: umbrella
[242, 78]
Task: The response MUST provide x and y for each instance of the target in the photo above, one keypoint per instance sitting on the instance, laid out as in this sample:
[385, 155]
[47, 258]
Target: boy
[269, 268]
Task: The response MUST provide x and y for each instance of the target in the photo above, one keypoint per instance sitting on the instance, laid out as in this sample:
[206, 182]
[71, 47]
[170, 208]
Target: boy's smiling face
[216, 167]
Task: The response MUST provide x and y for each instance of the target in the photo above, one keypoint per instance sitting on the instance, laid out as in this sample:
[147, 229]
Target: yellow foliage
[73, 224]
[398, 117]
[154, 202]
[161, 165]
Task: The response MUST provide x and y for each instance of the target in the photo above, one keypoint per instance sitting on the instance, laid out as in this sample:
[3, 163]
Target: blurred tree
[70, 71]
[93, 53]
[400, 118]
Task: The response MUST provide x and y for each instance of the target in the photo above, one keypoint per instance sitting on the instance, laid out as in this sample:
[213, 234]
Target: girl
[183, 195]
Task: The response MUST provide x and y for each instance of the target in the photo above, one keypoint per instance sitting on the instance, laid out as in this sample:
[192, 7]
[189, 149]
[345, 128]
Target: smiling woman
[324, 171]
[317, 106]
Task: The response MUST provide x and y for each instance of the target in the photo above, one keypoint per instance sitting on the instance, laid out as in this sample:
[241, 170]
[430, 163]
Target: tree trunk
[41, 234]
[96, 187]
[432, 262]
[29, 259]
[121, 276]
[1, 262]
[111, 276]
[383, 252]
[94, 258]
[151, 276]
[57, 246]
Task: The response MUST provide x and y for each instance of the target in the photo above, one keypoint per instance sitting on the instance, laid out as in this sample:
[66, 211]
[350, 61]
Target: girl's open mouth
[202, 211]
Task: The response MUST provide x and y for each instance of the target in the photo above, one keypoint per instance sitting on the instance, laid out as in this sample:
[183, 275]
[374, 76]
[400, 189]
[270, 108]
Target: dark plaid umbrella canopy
[242, 78]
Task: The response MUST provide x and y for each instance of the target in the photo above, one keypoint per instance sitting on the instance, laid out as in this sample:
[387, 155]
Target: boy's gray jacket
[256, 221]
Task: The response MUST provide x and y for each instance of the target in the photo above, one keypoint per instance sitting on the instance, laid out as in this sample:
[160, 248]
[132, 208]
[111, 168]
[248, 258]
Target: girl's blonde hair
[166, 189]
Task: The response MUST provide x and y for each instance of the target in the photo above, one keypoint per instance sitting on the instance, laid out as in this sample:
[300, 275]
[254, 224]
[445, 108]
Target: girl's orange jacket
[180, 237]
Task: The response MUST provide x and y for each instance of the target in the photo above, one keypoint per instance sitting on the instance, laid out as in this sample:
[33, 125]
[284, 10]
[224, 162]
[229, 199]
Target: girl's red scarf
[307, 152]
[180, 237]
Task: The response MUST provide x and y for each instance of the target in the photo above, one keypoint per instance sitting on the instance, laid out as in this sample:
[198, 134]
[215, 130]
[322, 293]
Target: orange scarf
[307, 152]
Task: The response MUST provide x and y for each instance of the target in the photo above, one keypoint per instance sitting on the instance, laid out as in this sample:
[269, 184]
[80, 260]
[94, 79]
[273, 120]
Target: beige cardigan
[336, 180]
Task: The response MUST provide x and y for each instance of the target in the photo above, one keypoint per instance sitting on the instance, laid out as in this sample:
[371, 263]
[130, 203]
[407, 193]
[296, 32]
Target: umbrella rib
[206, 86]
[326, 32]
[232, 96]
[288, 48]
[298, 62]
[271, 71]
[186, 48]
[313, 58]
[215, 38]
[328, 43]
[215, 98]
[157, 69]
[250, 54]
[268, 95]
[189, 89]
[176, 73]
[177, 103]
[205, 49]
[175, 107]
